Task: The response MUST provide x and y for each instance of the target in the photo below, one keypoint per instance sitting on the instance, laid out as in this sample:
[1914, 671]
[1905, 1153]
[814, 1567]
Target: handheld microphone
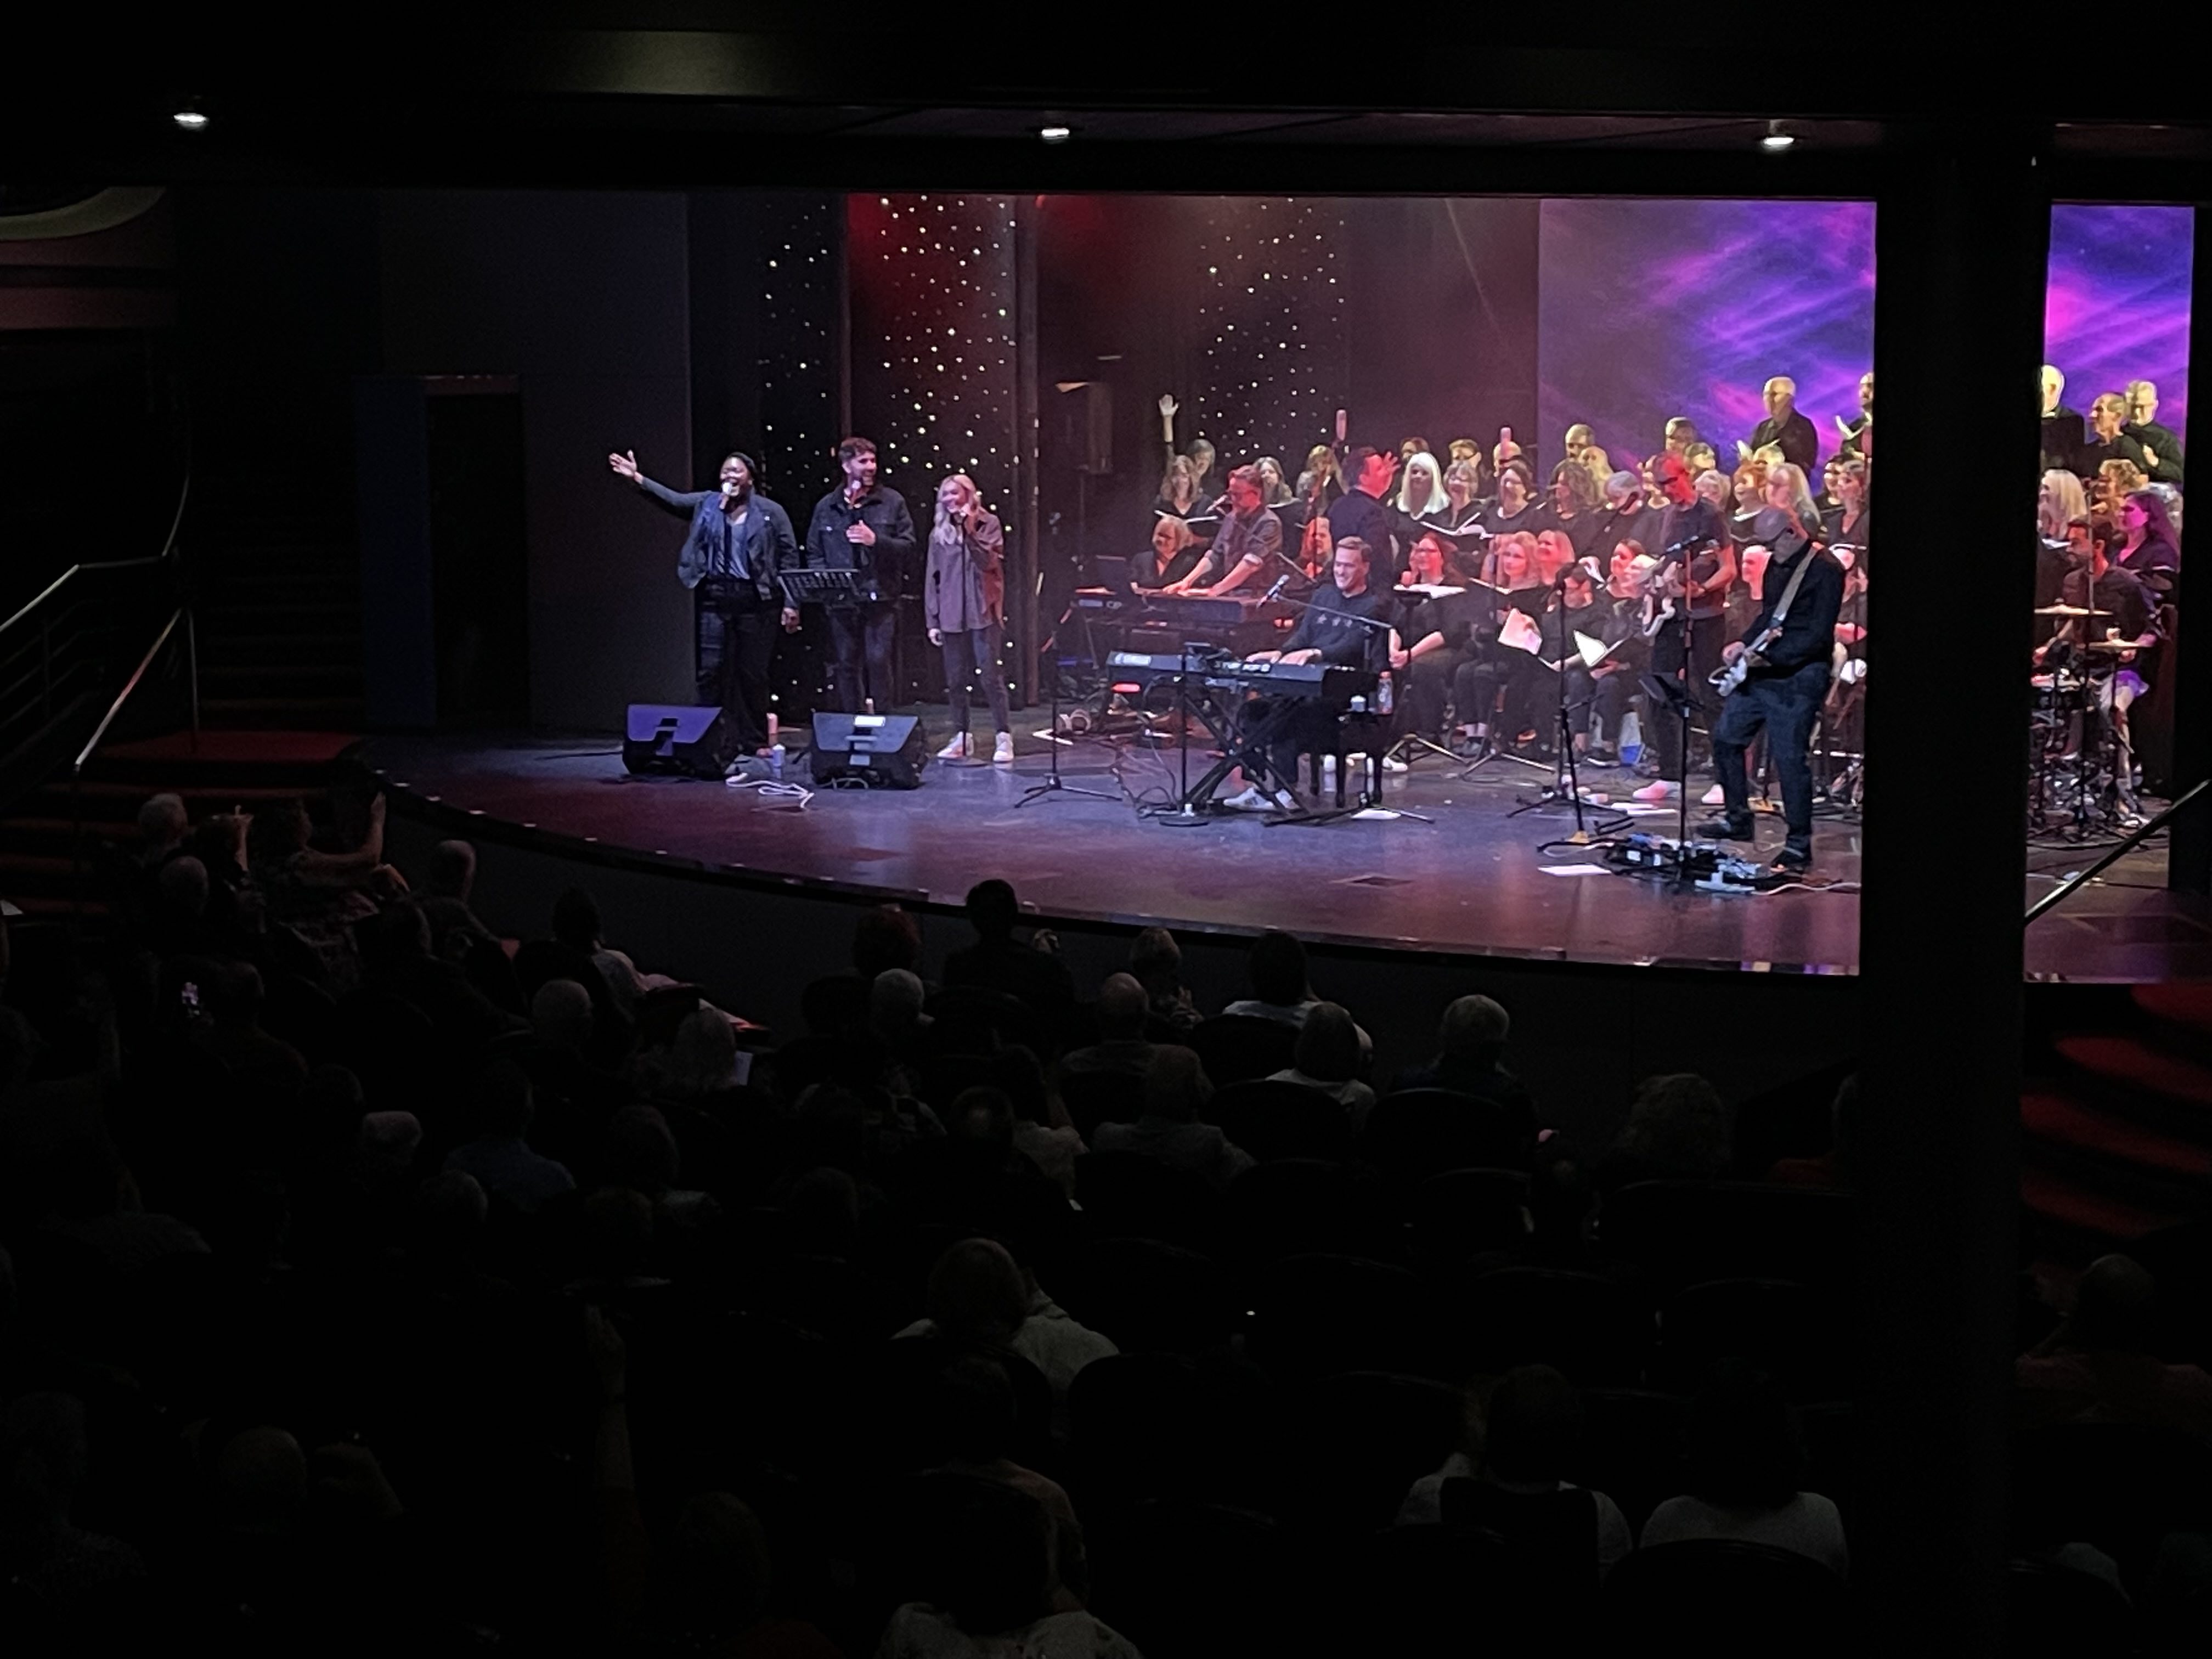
[1276, 591]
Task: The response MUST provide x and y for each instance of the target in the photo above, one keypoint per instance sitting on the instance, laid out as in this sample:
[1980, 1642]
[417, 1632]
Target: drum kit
[2081, 784]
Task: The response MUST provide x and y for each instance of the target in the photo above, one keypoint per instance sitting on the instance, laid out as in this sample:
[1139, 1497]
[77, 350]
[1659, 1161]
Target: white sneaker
[1249, 800]
[1392, 764]
[1661, 789]
[1002, 749]
[956, 750]
[1715, 796]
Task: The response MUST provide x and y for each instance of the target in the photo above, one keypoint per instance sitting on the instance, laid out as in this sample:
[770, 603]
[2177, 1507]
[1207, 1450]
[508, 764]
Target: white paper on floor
[1575, 869]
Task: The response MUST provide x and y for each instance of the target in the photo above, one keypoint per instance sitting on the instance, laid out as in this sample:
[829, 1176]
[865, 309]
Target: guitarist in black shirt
[1780, 668]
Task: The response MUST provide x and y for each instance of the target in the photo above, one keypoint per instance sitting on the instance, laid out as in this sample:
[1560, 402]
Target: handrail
[2074, 883]
[168, 547]
[130, 685]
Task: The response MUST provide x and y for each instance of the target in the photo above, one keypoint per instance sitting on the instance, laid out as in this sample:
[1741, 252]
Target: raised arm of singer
[739, 543]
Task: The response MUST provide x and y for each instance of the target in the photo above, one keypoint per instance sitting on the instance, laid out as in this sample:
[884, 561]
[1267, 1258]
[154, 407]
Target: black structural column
[2189, 852]
[1962, 232]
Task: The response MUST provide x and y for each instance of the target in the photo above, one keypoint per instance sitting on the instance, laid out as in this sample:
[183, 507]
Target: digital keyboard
[1337, 685]
[1181, 609]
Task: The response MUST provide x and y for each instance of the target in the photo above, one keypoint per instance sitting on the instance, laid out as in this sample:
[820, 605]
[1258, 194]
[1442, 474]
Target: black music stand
[1566, 784]
[1052, 783]
[812, 587]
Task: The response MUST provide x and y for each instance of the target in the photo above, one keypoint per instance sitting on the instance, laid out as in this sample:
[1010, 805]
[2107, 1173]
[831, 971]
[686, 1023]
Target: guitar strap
[1789, 595]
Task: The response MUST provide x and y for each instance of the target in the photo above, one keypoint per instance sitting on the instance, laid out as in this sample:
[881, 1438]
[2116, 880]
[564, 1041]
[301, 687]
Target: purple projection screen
[2116, 308]
[1650, 309]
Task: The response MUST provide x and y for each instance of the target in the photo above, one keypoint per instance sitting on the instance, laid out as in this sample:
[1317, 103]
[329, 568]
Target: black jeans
[968, 652]
[1664, 733]
[1611, 698]
[1285, 728]
[737, 637]
[860, 639]
[1785, 706]
[1425, 687]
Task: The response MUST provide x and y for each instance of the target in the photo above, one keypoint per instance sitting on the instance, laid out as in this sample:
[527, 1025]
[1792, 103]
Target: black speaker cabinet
[676, 738]
[883, 751]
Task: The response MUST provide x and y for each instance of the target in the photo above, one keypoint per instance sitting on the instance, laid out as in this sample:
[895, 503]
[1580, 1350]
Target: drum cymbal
[2070, 611]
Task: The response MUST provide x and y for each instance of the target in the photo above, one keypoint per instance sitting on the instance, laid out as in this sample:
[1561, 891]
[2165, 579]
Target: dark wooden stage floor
[1473, 881]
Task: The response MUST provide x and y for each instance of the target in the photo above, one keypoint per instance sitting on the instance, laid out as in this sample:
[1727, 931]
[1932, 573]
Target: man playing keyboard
[1248, 551]
[1347, 623]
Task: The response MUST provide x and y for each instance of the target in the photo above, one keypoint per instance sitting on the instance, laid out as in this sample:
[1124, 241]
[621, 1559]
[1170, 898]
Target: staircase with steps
[2116, 1118]
[39, 838]
[278, 611]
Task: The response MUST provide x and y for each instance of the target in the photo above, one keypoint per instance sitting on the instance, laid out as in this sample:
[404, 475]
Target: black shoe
[1728, 829]
[1792, 861]
[1600, 757]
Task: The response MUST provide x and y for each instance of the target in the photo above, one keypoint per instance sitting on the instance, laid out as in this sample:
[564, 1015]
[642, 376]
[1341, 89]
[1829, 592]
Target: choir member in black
[1856, 444]
[1626, 516]
[2105, 440]
[1489, 690]
[1850, 523]
[1788, 676]
[1179, 495]
[739, 543]
[1321, 474]
[1462, 504]
[1170, 556]
[1575, 615]
[1362, 512]
[1621, 627]
[1437, 632]
[1573, 508]
[1786, 427]
[1347, 623]
[2161, 451]
[1515, 503]
[1842, 715]
[862, 526]
[1695, 580]
[1246, 550]
[1276, 493]
[2062, 427]
[2148, 548]
[1421, 491]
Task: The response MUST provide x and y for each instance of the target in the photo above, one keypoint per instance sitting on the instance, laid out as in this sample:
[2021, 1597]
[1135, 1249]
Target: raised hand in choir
[625, 465]
[1343, 424]
[1168, 407]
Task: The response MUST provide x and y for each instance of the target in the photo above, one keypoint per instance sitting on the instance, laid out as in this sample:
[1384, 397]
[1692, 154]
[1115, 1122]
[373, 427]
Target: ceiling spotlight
[1776, 137]
[1055, 135]
[190, 119]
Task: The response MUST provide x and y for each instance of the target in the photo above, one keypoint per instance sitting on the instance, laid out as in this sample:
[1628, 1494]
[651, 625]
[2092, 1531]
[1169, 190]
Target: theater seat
[1729, 1596]
[1239, 1048]
[1271, 1119]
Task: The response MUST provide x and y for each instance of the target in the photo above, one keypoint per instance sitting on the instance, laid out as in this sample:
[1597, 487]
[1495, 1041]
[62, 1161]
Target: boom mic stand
[1565, 783]
[1052, 783]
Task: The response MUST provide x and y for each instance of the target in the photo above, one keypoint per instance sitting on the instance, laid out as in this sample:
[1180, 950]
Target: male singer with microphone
[864, 526]
[739, 541]
[1248, 548]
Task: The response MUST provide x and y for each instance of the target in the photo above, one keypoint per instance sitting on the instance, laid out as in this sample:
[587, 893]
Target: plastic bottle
[775, 760]
[1385, 699]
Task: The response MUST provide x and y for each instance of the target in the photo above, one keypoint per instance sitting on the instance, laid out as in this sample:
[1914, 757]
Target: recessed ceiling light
[1055, 135]
[190, 120]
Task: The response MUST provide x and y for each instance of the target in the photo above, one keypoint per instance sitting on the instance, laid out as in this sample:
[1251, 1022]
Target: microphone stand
[1052, 784]
[1564, 779]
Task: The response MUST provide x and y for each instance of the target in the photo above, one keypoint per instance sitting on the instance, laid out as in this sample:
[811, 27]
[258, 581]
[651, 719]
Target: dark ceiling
[697, 94]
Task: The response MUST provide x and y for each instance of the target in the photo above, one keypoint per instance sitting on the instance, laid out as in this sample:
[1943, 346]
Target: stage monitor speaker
[681, 738]
[883, 752]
